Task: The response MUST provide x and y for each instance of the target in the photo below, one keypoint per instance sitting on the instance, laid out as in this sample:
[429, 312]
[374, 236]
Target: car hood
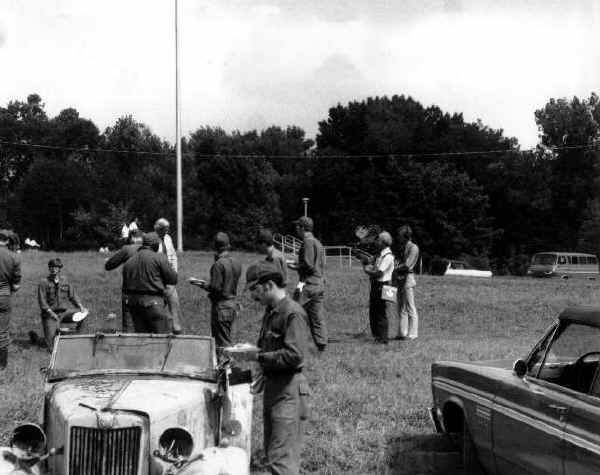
[154, 396]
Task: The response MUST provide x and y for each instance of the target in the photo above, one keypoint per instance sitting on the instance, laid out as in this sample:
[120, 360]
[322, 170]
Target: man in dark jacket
[311, 289]
[281, 357]
[222, 291]
[10, 278]
[145, 277]
[119, 258]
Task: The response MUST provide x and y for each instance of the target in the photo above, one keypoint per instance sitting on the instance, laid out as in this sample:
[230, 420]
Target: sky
[251, 64]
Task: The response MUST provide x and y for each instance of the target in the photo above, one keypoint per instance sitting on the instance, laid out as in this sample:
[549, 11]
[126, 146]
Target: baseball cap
[56, 262]
[261, 272]
[305, 222]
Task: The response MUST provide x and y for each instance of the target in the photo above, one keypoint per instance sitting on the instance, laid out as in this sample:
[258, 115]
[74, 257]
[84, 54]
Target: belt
[143, 292]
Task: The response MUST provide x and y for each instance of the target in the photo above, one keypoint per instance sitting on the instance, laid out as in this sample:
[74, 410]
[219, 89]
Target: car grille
[104, 451]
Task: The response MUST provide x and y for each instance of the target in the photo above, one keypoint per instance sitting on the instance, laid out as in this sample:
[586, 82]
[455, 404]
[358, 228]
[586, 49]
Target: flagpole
[178, 135]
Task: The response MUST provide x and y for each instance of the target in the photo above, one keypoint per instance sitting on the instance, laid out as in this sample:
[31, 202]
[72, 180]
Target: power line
[296, 157]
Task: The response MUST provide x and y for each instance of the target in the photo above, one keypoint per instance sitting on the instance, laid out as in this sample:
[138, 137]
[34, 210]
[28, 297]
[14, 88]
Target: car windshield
[81, 354]
[544, 259]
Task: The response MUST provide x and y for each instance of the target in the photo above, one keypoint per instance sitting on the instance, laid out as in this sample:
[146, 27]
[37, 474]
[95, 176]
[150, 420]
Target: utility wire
[296, 157]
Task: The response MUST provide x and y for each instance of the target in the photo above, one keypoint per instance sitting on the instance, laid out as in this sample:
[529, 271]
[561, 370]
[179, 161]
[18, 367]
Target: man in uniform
[404, 279]
[222, 291]
[10, 279]
[118, 258]
[145, 278]
[310, 290]
[266, 247]
[281, 357]
[161, 227]
[53, 293]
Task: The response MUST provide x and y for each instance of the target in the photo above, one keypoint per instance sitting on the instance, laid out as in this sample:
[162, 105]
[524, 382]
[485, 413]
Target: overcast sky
[250, 64]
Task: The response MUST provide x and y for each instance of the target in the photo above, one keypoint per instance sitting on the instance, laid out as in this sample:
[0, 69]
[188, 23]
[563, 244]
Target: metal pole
[178, 135]
[305, 201]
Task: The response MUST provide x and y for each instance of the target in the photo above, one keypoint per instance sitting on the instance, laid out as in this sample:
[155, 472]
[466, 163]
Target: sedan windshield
[191, 355]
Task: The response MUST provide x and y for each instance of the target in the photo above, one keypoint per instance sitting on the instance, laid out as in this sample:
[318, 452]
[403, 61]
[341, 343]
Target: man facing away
[404, 280]
[222, 291]
[310, 291]
[10, 279]
[381, 311]
[161, 227]
[281, 357]
[265, 246]
[145, 278]
[53, 294]
[114, 261]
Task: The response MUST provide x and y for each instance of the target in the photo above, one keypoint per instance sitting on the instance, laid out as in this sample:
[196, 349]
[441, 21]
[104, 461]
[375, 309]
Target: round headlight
[176, 442]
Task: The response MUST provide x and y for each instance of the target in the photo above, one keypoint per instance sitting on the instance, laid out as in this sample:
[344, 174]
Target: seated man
[53, 294]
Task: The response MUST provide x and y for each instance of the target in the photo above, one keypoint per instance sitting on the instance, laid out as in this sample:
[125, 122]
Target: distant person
[10, 280]
[54, 295]
[161, 227]
[310, 291]
[381, 311]
[281, 355]
[222, 291]
[145, 278]
[404, 280]
[265, 246]
[117, 259]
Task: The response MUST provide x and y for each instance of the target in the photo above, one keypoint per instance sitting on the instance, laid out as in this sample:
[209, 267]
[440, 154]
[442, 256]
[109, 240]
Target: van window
[562, 259]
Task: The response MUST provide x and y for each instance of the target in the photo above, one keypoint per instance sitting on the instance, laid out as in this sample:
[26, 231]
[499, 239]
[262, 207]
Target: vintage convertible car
[137, 404]
[539, 415]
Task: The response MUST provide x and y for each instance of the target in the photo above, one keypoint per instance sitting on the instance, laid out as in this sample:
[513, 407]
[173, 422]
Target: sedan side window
[573, 356]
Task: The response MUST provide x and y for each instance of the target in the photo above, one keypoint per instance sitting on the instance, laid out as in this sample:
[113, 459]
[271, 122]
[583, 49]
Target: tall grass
[364, 396]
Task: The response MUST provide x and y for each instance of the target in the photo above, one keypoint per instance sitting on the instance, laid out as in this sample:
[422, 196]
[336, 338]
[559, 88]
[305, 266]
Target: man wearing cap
[310, 290]
[380, 310]
[10, 279]
[53, 294]
[145, 278]
[222, 291]
[265, 245]
[114, 261]
[281, 357]
[161, 227]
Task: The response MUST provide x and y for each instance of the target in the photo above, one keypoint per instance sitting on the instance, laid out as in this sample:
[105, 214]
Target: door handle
[562, 410]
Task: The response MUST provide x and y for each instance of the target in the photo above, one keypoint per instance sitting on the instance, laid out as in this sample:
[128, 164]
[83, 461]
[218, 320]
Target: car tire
[469, 453]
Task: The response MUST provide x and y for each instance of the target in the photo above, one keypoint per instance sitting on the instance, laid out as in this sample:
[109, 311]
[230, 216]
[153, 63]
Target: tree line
[384, 161]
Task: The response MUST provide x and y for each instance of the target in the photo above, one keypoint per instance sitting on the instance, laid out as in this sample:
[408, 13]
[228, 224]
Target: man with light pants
[404, 279]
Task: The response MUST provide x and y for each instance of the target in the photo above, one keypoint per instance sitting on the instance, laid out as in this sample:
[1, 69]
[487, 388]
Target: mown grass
[364, 396]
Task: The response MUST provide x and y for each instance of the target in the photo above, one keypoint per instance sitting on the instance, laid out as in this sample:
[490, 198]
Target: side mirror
[520, 368]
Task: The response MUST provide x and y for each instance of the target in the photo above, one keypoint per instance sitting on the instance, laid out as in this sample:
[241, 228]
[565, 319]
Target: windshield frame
[53, 374]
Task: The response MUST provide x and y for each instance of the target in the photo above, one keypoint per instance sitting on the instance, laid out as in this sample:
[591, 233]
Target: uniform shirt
[10, 271]
[282, 338]
[224, 277]
[311, 260]
[385, 264]
[278, 259]
[166, 247]
[147, 273]
[54, 292]
[121, 256]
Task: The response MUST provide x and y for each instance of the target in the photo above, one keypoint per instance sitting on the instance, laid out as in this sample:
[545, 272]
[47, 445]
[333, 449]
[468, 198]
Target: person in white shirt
[380, 272]
[161, 226]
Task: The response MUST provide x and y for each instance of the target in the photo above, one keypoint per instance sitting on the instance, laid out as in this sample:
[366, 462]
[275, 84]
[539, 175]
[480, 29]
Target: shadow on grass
[423, 454]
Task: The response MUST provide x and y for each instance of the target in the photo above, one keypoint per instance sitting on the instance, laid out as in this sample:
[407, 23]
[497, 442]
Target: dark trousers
[50, 326]
[148, 313]
[4, 324]
[311, 298]
[222, 315]
[127, 322]
[378, 317]
[285, 410]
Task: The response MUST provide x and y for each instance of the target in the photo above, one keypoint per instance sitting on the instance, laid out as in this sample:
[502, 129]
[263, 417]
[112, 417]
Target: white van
[547, 264]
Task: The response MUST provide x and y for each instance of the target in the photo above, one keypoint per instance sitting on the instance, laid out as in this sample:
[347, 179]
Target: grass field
[364, 396]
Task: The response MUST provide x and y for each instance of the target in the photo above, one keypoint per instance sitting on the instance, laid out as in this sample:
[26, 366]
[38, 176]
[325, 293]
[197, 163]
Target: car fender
[217, 460]
[10, 464]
